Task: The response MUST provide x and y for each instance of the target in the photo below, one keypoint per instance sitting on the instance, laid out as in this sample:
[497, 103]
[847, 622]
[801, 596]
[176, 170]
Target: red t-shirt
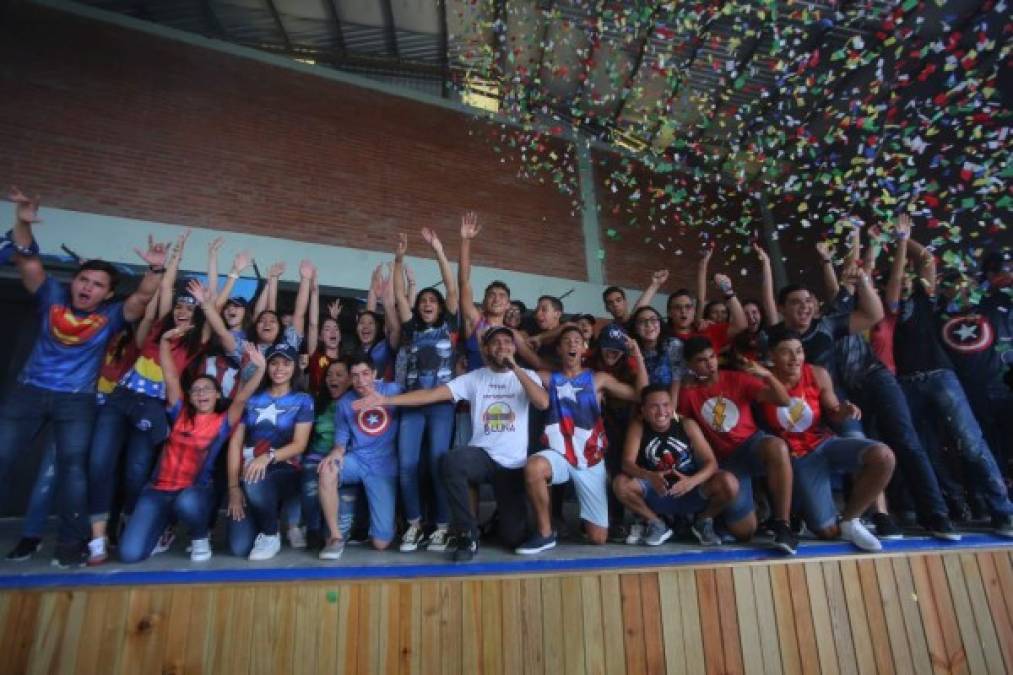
[318, 364]
[716, 332]
[723, 409]
[191, 449]
[799, 424]
[881, 340]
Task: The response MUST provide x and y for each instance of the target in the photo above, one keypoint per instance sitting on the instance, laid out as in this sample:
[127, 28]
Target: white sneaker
[297, 537]
[636, 535]
[266, 546]
[98, 551]
[438, 539]
[165, 541]
[413, 536]
[854, 531]
[200, 550]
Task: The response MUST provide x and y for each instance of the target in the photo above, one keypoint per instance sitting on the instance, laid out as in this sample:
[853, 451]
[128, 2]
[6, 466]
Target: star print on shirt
[966, 332]
[567, 390]
[270, 413]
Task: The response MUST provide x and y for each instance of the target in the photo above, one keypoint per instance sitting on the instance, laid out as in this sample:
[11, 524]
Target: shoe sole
[946, 536]
[201, 558]
[408, 548]
[22, 558]
[330, 556]
[262, 558]
[1006, 534]
[661, 540]
[890, 537]
[784, 548]
[537, 550]
[702, 541]
[437, 548]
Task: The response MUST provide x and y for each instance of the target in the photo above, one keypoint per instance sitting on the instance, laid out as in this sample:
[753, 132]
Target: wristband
[30, 251]
[729, 295]
[233, 275]
[902, 236]
[156, 269]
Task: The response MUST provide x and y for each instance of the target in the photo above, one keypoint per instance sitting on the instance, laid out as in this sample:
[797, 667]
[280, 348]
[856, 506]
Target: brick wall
[102, 119]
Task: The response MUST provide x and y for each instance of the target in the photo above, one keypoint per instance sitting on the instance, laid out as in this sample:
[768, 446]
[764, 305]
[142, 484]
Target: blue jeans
[263, 500]
[139, 422]
[40, 503]
[192, 506]
[309, 484]
[937, 395]
[437, 421]
[881, 392]
[72, 416]
[381, 496]
[812, 487]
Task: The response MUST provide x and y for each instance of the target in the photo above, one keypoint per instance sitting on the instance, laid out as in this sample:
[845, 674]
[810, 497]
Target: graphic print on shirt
[720, 413]
[667, 453]
[795, 417]
[430, 357]
[373, 422]
[498, 417]
[270, 422]
[573, 423]
[69, 330]
[968, 334]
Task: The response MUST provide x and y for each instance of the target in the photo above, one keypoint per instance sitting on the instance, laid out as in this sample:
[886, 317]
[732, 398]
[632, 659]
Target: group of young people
[183, 397]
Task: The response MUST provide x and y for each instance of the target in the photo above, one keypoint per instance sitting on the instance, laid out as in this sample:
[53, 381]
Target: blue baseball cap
[282, 349]
[614, 337]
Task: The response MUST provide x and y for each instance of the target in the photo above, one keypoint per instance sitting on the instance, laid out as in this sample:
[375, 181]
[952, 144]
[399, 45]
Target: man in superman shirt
[57, 383]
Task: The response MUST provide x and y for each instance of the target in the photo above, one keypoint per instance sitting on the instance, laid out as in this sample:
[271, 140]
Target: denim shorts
[590, 484]
[689, 504]
[813, 473]
[745, 463]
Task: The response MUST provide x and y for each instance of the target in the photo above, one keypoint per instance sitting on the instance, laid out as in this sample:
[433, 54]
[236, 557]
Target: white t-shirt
[499, 413]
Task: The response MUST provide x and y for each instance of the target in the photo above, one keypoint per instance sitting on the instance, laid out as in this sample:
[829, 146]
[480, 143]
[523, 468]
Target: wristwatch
[273, 455]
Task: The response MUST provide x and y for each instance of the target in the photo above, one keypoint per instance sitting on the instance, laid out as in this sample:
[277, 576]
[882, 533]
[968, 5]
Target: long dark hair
[661, 334]
[221, 405]
[440, 300]
[251, 331]
[191, 341]
[323, 398]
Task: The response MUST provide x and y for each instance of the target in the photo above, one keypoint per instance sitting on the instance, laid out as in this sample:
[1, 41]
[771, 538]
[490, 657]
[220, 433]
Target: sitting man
[576, 441]
[720, 402]
[499, 395]
[817, 453]
[669, 469]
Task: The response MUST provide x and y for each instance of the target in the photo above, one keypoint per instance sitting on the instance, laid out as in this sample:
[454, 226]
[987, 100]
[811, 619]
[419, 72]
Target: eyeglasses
[202, 390]
[649, 322]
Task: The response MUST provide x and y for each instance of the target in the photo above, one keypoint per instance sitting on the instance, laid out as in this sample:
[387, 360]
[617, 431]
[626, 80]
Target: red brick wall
[102, 119]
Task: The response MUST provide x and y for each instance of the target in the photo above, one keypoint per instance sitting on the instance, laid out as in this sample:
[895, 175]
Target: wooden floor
[938, 612]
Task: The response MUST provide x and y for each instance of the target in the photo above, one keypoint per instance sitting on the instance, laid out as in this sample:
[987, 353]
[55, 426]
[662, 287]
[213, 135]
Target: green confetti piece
[332, 597]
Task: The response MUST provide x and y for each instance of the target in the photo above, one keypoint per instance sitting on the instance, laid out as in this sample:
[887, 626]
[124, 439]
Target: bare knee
[774, 451]
[381, 544]
[537, 470]
[595, 534]
[722, 486]
[880, 457]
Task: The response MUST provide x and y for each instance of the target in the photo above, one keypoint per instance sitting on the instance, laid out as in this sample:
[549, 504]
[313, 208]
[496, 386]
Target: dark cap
[282, 349]
[238, 301]
[614, 337]
[586, 317]
[494, 331]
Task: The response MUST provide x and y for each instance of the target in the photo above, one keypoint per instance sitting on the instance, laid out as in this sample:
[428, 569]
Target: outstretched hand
[469, 225]
[254, 355]
[761, 254]
[277, 269]
[825, 250]
[659, 277]
[903, 226]
[156, 254]
[241, 261]
[25, 210]
[432, 239]
[374, 400]
[307, 270]
[334, 309]
[401, 247]
[200, 292]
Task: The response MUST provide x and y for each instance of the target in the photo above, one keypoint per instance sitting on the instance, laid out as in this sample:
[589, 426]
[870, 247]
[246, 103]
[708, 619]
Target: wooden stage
[913, 610]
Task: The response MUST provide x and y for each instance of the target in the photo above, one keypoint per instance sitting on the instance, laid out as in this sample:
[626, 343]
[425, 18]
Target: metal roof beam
[331, 8]
[211, 18]
[279, 25]
[390, 32]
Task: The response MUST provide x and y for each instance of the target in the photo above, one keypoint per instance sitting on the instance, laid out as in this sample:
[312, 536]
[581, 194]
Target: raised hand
[469, 225]
[376, 280]
[156, 254]
[177, 248]
[307, 270]
[825, 250]
[761, 254]
[241, 261]
[903, 226]
[215, 246]
[25, 210]
[432, 239]
[277, 269]
[200, 292]
[850, 274]
[723, 283]
[409, 274]
[401, 247]
[659, 277]
[254, 355]
[707, 252]
[334, 309]
[174, 333]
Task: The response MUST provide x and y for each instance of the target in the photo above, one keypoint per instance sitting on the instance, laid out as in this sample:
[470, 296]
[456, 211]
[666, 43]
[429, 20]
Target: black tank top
[667, 450]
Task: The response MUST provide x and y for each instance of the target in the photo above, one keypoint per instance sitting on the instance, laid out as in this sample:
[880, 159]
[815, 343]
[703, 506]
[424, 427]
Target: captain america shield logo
[968, 334]
[373, 422]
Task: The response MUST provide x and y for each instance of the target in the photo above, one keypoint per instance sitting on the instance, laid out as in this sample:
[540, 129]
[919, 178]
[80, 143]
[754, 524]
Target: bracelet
[233, 275]
[729, 295]
[156, 269]
[29, 251]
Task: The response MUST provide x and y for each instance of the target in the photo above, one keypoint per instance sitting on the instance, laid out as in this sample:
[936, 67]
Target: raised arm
[239, 263]
[869, 308]
[404, 311]
[825, 251]
[173, 389]
[269, 295]
[413, 287]
[375, 288]
[213, 248]
[137, 304]
[701, 276]
[926, 265]
[313, 320]
[166, 294]
[643, 379]
[391, 322]
[621, 391]
[767, 301]
[736, 315]
[146, 322]
[658, 279]
[307, 272]
[895, 282]
[249, 387]
[774, 393]
[448, 276]
[469, 230]
[26, 213]
[412, 399]
[214, 320]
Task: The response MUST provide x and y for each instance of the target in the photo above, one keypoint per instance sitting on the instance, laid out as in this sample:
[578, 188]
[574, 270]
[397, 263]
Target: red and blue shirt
[573, 423]
[270, 422]
[191, 449]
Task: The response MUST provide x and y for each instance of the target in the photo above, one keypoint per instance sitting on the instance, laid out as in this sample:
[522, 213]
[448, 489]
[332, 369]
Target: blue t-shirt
[430, 352]
[664, 363]
[68, 352]
[270, 422]
[372, 433]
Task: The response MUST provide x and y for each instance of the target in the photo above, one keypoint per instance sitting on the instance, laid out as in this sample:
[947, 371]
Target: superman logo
[70, 330]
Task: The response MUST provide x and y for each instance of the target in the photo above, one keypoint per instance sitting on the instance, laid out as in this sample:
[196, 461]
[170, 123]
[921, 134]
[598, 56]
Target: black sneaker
[25, 549]
[537, 543]
[941, 528]
[70, 556]
[464, 548]
[784, 539]
[959, 510]
[1002, 526]
[885, 527]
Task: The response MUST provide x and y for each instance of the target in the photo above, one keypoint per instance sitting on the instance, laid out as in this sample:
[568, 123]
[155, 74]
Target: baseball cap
[239, 301]
[614, 337]
[282, 349]
[494, 331]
